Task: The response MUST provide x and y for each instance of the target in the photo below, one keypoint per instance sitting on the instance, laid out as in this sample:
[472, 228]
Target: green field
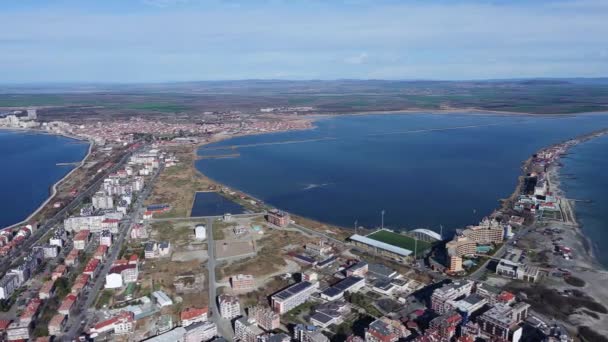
[399, 240]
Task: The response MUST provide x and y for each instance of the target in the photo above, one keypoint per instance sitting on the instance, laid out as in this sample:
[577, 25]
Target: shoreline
[567, 206]
[552, 176]
[53, 187]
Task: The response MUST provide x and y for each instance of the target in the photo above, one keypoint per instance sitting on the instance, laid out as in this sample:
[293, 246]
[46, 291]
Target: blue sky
[185, 40]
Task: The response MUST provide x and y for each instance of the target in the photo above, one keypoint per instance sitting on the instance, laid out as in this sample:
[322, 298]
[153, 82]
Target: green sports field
[399, 240]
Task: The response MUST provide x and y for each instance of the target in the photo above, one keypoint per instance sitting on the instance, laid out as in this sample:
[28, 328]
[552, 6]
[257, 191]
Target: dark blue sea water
[212, 204]
[29, 170]
[585, 177]
[424, 170]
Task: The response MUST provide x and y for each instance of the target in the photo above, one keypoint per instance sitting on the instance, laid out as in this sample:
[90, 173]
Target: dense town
[119, 267]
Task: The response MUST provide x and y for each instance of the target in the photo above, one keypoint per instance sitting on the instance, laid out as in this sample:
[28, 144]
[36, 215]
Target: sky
[135, 41]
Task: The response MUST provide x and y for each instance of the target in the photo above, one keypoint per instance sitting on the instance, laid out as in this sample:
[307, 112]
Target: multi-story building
[121, 324]
[461, 246]
[278, 217]
[50, 251]
[18, 331]
[105, 238]
[348, 284]
[441, 300]
[330, 313]
[47, 290]
[91, 268]
[100, 252]
[242, 282]
[56, 324]
[321, 248]
[293, 296]
[81, 281]
[246, 330]
[72, 258]
[229, 306]
[102, 201]
[8, 284]
[81, 239]
[65, 308]
[488, 231]
[30, 312]
[193, 315]
[455, 265]
[446, 324]
[502, 321]
[200, 332]
[265, 317]
[77, 223]
[308, 333]
[58, 272]
[359, 269]
[385, 330]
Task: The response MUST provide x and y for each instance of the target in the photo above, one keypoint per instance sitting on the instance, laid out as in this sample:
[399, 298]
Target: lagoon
[425, 170]
[29, 170]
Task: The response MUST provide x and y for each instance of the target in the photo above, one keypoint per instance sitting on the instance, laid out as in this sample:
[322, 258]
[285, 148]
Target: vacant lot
[270, 257]
[177, 185]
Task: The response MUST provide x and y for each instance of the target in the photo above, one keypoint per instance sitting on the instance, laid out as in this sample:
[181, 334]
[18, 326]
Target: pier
[68, 164]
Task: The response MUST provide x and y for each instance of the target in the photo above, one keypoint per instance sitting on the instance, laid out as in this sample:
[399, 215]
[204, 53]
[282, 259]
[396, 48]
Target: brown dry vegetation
[160, 274]
[270, 258]
[177, 185]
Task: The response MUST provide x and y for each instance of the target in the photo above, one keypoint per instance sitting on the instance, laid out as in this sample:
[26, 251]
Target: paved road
[224, 326]
[190, 218]
[86, 302]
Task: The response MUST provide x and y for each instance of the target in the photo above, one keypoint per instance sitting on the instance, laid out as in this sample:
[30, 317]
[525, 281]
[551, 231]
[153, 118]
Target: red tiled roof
[120, 268]
[191, 313]
[4, 323]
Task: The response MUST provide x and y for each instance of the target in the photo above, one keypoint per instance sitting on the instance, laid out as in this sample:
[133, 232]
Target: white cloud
[357, 59]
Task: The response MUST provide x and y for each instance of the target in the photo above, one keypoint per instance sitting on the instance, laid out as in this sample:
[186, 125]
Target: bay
[424, 170]
[28, 170]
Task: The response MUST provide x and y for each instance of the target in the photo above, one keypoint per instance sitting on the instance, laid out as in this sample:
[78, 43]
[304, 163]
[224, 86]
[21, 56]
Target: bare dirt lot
[178, 184]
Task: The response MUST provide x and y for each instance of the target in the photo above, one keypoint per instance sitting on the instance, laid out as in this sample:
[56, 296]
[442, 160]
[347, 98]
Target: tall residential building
[293, 296]
[385, 330]
[229, 306]
[502, 321]
[442, 297]
[265, 317]
[246, 330]
[242, 282]
[200, 332]
[278, 217]
[308, 333]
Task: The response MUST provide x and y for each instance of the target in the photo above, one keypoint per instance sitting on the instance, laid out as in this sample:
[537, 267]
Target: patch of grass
[104, 299]
[400, 240]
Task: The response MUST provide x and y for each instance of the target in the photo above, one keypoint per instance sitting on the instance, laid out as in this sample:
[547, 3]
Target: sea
[584, 179]
[435, 171]
[29, 170]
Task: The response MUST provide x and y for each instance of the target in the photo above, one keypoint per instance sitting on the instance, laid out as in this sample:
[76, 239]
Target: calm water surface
[585, 177]
[424, 170]
[28, 170]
